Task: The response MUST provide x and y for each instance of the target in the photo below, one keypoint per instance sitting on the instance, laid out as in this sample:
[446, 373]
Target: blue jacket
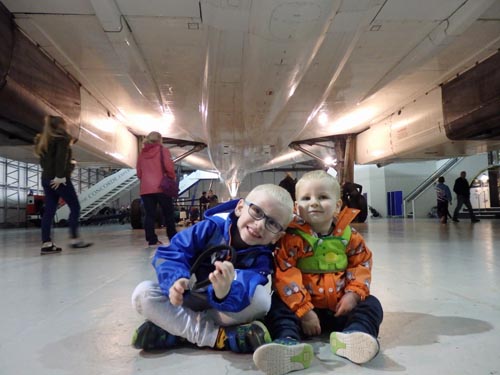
[253, 264]
[443, 192]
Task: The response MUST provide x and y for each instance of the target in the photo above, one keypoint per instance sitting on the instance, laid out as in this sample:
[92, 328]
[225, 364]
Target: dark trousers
[151, 201]
[442, 210]
[365, 317]
[461, 200]
[66, 192]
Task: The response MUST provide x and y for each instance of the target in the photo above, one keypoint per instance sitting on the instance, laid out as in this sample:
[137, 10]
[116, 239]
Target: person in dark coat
[288, 183]
[352, 198]
[53, 147]
[462, 190]
[203, 202]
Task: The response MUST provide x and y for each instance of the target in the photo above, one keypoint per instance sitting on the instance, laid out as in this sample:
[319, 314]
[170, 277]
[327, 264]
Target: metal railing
[420, 189]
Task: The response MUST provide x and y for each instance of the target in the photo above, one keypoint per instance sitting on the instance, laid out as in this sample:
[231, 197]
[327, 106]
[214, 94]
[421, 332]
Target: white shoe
[357, 347]
[283, 356]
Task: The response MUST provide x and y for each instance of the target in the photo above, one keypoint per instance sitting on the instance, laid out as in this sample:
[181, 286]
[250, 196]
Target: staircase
[112, 186]
[101, 193]
[187, 182]
[481, 213]
[428, 182]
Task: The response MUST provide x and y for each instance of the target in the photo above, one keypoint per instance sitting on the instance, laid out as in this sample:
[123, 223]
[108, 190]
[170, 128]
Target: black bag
[169, 186]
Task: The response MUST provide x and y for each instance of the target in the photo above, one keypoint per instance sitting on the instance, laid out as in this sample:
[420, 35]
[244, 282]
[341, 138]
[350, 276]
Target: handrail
[420, 189]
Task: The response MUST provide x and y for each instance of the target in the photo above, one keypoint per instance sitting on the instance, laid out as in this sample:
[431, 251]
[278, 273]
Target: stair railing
[420, 189]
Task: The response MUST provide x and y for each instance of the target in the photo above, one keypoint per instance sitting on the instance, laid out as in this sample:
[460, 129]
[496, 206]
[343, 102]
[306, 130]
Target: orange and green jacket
[304, 291]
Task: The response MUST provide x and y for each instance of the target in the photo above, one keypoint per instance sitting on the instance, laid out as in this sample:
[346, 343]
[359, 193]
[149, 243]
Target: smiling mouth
[253, 232]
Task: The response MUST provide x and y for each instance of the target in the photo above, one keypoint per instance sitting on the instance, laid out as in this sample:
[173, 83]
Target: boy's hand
[222, 278]
[176, 292]
[310, 324]
[346, 303]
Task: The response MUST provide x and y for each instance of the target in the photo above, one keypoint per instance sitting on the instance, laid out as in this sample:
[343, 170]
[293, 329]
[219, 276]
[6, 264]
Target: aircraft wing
[249, 78]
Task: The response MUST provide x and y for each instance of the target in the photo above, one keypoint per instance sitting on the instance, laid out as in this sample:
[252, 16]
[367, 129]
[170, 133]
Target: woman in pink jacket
[150, 173]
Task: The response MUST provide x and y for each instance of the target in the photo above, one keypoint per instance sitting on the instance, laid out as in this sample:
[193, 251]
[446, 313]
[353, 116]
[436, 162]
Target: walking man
[462, 189]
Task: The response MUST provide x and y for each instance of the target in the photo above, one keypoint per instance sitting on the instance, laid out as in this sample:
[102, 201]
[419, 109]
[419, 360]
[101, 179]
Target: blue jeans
[66, 192]
[150, 202]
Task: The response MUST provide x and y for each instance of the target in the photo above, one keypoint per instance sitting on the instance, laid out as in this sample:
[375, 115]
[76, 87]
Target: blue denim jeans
[66, 192]
[365, 317]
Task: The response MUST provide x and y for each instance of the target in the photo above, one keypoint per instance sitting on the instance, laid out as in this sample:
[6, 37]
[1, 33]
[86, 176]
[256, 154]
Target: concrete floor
[71, 314]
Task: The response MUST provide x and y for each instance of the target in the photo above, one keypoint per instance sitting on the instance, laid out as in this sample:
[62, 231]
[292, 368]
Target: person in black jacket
[462, 190]
[288, 183]
[53, 147]
[352, 198]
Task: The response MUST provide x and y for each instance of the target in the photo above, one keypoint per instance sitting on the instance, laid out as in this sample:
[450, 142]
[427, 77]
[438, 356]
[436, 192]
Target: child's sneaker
[49, 248]
[151, 337]
[357, 347]
[283, 356]
[244, 338]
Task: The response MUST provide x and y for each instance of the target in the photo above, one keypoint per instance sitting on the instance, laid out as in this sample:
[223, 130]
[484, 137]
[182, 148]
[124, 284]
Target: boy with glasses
[223, 313]
[322, 283]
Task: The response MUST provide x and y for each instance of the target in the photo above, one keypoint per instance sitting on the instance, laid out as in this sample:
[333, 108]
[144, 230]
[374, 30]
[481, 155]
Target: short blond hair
[153, 137]
[276, 192]
[319, 175]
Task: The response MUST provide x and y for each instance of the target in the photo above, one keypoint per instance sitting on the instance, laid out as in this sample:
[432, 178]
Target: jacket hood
[151, 150]
[222, 208]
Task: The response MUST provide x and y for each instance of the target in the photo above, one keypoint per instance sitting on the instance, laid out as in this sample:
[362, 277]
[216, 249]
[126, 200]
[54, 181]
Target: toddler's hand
[310, 324]
[346, 303]
[222, 278]
[176, 292]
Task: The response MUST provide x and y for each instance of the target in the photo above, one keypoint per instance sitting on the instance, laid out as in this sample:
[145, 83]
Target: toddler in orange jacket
[321, 284]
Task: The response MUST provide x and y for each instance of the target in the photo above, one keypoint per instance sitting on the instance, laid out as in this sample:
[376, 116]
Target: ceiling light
[323, 118]
[329, 161]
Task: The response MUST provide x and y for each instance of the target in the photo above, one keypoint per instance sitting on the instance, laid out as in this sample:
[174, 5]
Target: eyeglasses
[257, 213]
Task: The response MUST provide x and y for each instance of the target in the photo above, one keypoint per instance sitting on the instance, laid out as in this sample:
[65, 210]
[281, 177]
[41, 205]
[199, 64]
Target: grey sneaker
[80, 244]
[283, 356]
[357, 347]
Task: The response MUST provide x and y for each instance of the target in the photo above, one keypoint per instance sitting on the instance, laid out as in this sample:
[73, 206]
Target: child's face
[257, 232]
[317, 204]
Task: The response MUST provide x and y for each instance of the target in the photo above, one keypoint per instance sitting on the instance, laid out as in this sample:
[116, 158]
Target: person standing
[443, 195]
[213, 199]
[203, 203]
[462, 190]
[53, 147]
[288, 183]
[150, 173]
